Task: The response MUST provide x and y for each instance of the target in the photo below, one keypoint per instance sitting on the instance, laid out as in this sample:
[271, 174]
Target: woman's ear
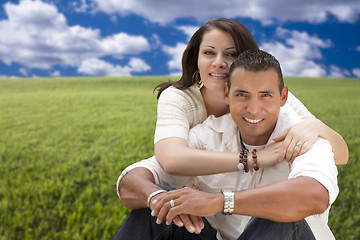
[284, 95]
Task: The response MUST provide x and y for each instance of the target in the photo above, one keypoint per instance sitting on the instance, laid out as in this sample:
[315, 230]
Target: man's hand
[187, 201]
[193, 224]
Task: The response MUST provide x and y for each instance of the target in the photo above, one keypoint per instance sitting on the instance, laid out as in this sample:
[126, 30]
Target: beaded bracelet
[243, 160]
[254, 156]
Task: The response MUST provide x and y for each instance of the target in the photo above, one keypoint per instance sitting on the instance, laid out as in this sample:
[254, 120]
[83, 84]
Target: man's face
[255, 100]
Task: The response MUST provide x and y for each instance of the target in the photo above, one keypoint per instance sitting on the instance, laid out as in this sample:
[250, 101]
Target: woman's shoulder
[190, 95]
[190, 91]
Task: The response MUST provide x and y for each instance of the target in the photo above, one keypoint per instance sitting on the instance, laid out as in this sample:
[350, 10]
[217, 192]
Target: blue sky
[45, 38]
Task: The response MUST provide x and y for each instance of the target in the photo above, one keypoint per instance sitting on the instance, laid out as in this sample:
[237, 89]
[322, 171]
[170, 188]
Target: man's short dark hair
[257, 61]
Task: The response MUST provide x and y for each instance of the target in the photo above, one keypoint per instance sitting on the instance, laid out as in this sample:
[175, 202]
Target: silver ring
[172, 203]
[298, 145]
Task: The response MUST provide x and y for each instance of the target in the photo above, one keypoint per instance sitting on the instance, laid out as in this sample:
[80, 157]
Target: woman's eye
[208, 53]
[232, 54]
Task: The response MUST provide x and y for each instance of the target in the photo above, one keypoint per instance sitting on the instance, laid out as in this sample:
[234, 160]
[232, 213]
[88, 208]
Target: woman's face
[216, 54]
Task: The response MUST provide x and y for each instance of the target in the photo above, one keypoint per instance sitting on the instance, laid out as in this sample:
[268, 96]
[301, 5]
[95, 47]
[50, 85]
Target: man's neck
[256, 140]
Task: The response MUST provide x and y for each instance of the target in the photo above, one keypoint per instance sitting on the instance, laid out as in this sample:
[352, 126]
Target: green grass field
[64, 141]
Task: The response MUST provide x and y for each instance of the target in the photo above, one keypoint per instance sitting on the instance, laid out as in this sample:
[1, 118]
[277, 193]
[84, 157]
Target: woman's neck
[215, 103]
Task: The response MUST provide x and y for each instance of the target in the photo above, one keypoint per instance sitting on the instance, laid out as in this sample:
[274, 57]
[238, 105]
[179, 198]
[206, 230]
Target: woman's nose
[220, 62]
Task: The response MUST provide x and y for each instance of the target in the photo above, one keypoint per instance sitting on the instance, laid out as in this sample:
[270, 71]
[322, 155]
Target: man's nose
[254, 106]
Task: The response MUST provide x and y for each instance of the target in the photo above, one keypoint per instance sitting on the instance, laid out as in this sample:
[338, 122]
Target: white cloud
[55, 74]
[165, 11]
[4, 76]
[36, 35]
[358, 48]
[121, 44]
[175, 54]
[188, 30]
[299, 53]
[99, 67]
[337, 72]
[81, 6]
[23, 71]
[155, 41]
[138, 65]
[356, 72]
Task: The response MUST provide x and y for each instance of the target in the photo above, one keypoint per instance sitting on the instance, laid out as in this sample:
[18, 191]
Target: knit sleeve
[298, 107]
[177, 112]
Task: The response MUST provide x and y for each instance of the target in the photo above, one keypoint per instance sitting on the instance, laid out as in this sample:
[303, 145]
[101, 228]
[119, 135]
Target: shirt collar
[226, 126]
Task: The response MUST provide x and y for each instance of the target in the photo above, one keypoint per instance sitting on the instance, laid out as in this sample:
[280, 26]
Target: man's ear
[284, 95]
[226, 90]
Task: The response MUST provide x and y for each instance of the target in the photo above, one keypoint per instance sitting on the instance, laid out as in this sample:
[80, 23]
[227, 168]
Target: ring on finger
[298, 145]
[172, 203]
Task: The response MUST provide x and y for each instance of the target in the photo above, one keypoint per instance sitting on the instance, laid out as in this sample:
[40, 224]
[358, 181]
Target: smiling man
[255, 102]
[278, 197]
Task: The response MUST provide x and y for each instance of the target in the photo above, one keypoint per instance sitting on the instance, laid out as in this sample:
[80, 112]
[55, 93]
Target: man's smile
[253, 121]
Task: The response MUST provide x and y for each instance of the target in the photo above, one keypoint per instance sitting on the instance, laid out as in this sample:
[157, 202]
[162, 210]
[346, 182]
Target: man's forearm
[284, 201]
[135, 187]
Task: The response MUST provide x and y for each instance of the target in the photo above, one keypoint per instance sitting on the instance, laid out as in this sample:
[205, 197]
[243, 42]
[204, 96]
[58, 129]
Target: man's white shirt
[221, 135]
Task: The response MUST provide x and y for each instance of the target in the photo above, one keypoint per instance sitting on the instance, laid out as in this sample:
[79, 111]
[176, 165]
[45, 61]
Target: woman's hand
[297, 139]
[271, 155]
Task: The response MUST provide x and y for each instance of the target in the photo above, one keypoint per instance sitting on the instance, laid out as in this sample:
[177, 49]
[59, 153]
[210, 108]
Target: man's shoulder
[322, 144]
[287, 118]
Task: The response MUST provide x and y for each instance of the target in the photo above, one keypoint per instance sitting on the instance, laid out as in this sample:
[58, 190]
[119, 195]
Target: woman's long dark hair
[241, 36]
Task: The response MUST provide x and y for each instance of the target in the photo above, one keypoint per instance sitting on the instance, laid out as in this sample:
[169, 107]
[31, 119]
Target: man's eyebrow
[262, 91]
[266, 91]
[240, 91]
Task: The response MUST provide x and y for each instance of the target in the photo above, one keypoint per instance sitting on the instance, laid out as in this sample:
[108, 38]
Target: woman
[200, 93]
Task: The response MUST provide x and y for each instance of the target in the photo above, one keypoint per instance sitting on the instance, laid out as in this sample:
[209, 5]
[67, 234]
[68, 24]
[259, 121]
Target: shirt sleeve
[161, 177]
[318, 163]
[196, 137]
[177, 112]
[298, 107]
[151, 164]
